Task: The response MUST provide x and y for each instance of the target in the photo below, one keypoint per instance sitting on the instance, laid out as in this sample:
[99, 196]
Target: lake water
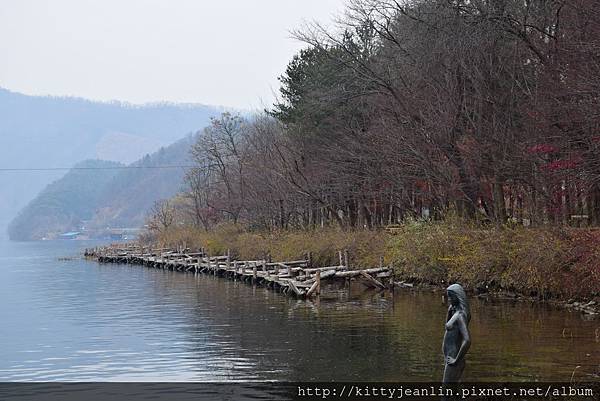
[77, 320]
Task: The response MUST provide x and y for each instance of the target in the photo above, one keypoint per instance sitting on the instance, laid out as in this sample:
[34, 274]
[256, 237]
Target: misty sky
[203, 51]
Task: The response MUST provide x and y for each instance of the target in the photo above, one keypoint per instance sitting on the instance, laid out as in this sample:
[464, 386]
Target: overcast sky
[217, 52]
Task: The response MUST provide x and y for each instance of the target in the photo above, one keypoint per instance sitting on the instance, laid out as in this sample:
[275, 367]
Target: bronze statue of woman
[456, 339]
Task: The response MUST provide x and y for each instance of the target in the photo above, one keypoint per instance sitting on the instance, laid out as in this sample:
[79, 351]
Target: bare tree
[162, 216]
[220, 153]
[489, 108]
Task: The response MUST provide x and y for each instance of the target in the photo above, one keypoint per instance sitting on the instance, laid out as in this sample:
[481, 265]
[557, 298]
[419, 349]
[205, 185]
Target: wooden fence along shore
[296, 277]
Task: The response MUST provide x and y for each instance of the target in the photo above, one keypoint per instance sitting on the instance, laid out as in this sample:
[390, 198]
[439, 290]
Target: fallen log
[322, 269]
[371, 280]
[352, 273]
[324, 275]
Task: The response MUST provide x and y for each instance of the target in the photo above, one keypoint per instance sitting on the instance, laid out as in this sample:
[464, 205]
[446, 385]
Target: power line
[92, 168]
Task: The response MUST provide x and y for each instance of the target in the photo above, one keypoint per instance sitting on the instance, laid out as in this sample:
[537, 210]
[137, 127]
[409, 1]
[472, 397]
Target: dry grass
[364, 247]
[545, 262]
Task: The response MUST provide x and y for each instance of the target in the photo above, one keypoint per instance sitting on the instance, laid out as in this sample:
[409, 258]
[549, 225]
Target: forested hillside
[488, 109]
[96, 195]
[65, 204]
[130, 195]
[42, 132]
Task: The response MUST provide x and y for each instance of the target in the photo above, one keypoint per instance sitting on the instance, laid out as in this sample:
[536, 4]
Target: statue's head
[458, 299]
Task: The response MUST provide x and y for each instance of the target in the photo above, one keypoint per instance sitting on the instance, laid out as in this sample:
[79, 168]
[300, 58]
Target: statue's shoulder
[457, 315]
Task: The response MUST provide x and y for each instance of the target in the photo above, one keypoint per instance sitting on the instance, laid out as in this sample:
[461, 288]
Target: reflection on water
[78, 320]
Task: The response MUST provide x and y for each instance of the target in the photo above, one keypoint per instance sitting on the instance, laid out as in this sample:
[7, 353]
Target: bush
[545, 262]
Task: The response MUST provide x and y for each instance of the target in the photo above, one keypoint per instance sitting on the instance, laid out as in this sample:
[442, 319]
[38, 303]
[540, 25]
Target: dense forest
[485, 109]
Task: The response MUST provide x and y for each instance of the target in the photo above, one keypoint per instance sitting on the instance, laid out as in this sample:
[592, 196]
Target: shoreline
[589, 308]
[276, 274]
[558, 265]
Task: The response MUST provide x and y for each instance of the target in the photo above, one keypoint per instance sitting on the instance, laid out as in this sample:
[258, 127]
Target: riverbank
[551, 264]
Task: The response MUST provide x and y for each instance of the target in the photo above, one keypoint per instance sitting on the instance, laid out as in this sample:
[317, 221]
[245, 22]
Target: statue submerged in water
[456, 339]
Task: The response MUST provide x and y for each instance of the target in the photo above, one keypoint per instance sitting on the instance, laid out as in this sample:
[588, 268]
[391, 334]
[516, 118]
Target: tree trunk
[499, 204]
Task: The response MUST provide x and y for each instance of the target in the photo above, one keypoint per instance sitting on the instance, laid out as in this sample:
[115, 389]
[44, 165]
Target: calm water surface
[80, 321]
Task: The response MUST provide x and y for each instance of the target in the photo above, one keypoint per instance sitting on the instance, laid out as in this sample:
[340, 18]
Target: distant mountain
[131, 194]
[103, 198]
[57, 132]
[66, 203]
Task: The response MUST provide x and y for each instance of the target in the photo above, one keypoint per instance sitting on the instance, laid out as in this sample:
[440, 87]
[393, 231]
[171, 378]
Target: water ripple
[82, 321]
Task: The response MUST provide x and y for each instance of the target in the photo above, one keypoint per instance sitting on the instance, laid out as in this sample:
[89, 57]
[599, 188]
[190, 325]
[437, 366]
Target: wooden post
[254, 275]
[210, 266]
[318, 281]
[309, 257]
[228, 258]
[341, 260]
[346, 258]
[381, 261]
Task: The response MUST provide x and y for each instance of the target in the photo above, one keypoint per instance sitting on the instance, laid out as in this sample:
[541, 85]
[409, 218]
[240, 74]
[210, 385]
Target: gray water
[77, 320]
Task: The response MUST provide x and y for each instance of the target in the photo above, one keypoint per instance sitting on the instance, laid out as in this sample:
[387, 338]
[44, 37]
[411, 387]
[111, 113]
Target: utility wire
[92, 168]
